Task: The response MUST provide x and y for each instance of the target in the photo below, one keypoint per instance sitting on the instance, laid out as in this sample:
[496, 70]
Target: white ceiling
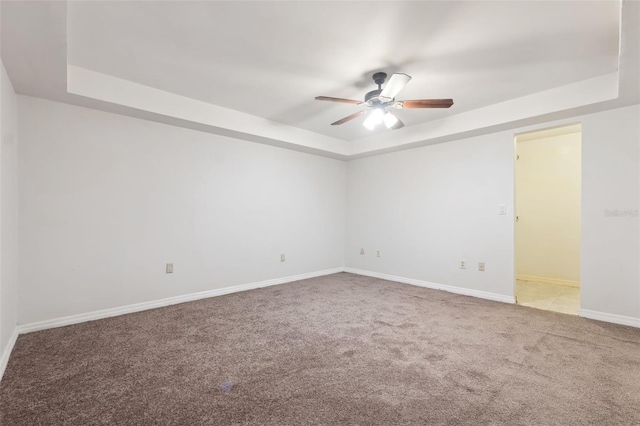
[269, 59]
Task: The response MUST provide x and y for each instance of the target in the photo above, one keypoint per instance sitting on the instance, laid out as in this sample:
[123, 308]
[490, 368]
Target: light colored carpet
[336, 350]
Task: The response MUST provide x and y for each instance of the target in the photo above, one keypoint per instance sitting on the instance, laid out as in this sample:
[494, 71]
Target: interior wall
[8, 213]
[610, 271]
[428, 208]
[107, 200]
[548, 208]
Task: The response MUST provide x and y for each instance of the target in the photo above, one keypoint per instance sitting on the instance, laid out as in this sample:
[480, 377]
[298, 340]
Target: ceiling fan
[381, 101]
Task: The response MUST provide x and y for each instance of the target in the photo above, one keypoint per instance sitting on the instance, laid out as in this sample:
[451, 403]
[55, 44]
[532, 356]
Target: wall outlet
[481, 266]
[282, 257]
[361, 251]
[463, 264]
[169, 268]
[378, 253]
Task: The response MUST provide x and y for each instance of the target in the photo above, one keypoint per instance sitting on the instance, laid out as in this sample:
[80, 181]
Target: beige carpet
[335, 350]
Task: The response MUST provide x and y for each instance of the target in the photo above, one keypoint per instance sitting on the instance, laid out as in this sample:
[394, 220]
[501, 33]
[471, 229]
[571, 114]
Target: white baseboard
[616, 319]
[451, 289]
[4, 360]
[106, 313]
[546, 280]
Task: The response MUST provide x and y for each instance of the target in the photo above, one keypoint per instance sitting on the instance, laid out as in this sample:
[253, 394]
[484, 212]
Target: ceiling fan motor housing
[372, 96]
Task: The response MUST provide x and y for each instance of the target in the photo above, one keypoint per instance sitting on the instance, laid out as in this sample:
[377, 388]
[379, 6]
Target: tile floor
[551, 297]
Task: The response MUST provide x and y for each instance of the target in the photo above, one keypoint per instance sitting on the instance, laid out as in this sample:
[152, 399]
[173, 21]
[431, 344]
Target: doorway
[547, 208]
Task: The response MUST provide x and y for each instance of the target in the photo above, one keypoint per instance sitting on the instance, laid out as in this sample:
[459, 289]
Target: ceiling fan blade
[344, 101]
[427, 103]
[395, 84]
[348, 118]
[399, 124]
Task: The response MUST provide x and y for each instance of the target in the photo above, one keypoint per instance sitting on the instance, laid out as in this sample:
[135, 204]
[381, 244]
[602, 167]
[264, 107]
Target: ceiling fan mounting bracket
[379, 78]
